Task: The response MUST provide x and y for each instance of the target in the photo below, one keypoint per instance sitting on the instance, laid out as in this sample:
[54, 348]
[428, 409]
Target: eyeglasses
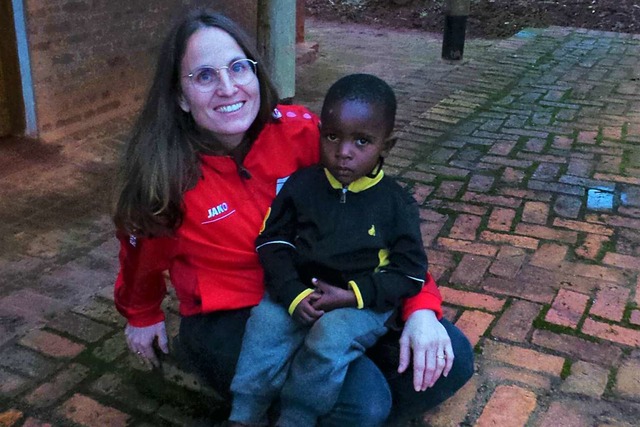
[207, 78]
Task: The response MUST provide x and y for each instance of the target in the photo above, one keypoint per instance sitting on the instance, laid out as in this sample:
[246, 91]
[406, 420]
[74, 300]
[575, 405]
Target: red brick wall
[93, 59]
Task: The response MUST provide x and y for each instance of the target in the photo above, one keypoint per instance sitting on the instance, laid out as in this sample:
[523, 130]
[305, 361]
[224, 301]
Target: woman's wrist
[425, 312]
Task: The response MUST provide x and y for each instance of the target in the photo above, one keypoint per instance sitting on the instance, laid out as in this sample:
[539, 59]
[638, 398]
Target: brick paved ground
[524, 159]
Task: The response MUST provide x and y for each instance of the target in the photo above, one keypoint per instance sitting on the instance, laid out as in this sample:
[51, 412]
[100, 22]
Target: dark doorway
[11, 105]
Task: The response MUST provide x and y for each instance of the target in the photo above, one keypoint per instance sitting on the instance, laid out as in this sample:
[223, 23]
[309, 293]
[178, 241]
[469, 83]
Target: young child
[340, 247]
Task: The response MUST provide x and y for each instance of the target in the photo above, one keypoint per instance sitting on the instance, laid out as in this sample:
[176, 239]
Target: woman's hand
[332, 297]
[425, 337]
[140, 341]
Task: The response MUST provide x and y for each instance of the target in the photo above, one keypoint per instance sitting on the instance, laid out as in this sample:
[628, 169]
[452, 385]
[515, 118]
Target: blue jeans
[372, 389]
[369, 377]
[282, 358]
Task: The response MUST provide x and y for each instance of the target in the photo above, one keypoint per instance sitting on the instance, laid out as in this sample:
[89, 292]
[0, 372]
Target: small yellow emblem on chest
[372, 230]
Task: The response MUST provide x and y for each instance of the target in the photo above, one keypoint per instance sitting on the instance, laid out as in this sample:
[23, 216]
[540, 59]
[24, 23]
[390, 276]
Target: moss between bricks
[566, 369]
[624, 322]
[519, 146]
[626, 316]
[587, 309]
[600, 136]
[517, 219]
[548, 145]
[624, 131]
[611, 381]
[541, 324]
[484, 223]
[528, 173]
[606, 246]
[625, 161]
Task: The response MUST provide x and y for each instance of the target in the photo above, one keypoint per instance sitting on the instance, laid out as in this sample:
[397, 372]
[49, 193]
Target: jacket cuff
[354, 287]
[296, 301]
[141, 321]
[428, 299]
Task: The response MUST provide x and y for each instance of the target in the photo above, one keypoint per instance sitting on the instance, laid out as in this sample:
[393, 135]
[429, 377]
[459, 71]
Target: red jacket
[212, 261]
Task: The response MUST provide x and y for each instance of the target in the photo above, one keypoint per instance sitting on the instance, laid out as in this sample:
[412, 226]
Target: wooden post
[300, 14]
[455, 26]
[277, 43]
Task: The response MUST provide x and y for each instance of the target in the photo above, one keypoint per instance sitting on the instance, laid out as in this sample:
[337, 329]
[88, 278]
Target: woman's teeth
[229, 108]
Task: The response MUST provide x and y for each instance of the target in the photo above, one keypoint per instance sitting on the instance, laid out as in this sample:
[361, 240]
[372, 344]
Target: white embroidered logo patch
[217, 213]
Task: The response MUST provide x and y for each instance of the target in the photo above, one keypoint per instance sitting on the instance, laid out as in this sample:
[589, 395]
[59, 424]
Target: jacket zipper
[343, 195]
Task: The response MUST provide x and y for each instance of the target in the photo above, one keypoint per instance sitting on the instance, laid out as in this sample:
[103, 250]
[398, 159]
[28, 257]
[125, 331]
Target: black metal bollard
[455, 26]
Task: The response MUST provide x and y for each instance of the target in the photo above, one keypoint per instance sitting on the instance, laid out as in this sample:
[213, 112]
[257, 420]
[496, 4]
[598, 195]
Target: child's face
[353, 137]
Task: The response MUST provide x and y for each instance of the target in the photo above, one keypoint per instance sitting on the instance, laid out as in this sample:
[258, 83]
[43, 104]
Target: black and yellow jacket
[365, 237]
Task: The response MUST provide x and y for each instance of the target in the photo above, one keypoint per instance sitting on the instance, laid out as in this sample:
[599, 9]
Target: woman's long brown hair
[161, 159]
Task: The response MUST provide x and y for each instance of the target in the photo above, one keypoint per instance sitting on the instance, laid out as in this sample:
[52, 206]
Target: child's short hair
[366, 88]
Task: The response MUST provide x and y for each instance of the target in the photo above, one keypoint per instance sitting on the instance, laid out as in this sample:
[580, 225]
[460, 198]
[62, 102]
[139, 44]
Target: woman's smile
[229, 108]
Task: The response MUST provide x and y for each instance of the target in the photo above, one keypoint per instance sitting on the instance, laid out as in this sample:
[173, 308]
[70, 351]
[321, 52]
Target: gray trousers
[303, 366]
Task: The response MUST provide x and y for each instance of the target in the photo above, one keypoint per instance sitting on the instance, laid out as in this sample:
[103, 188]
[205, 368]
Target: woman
[206, 157]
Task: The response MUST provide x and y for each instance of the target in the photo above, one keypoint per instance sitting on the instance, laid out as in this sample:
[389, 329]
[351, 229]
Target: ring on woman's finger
[138, 353]
[441, 357]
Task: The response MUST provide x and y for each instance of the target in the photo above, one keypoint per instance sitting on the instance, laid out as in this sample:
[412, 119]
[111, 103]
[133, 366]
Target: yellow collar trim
[356, 186]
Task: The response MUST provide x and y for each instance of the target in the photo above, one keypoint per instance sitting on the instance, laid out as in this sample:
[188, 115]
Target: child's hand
[332, 297]
[305, 312]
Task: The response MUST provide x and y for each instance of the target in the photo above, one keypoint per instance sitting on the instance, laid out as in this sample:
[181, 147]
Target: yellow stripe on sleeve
[302, 295]
[264, 221]
[354, 287]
